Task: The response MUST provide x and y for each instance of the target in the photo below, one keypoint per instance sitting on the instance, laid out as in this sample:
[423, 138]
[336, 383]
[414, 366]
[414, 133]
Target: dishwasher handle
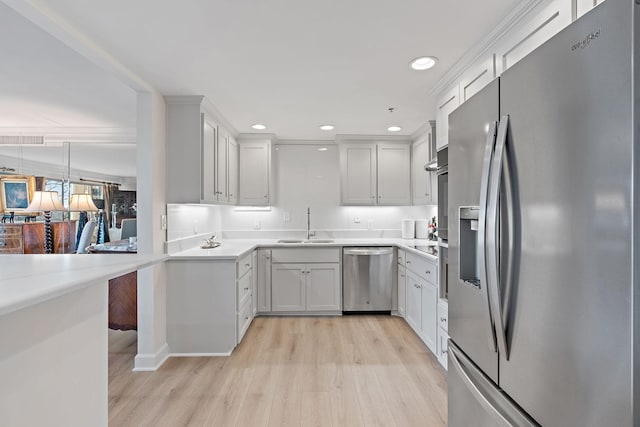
[368, 251]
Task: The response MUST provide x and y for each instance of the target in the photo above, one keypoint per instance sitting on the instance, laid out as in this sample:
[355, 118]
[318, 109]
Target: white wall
[306, 177]
[185, 221]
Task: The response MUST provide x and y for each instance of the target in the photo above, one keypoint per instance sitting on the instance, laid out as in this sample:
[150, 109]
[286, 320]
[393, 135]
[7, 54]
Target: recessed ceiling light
[327, 127]
[322, 149]
[258, 126]
[423, 63]
[394, 128]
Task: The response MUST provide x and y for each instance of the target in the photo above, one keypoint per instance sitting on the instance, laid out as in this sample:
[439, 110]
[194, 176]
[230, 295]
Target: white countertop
[232, 249]
[29, 279]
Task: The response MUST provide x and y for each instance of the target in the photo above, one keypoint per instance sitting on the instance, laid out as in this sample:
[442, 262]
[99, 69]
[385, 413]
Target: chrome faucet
[309, 233]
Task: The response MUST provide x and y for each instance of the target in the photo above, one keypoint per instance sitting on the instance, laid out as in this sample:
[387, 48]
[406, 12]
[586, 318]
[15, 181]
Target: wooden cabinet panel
[209, 131]
[222, 163]
[445, 105]
[11, 239]
[64, 237]
[402, 289]
[414, 301]
[422, 190]
[232, 170]
[123, 302]
[264, 280]
[428, 318]
[477, 78]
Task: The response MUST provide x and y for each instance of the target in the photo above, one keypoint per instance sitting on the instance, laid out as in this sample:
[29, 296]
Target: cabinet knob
[267, 257]
[265, 197]
[408, 262]
[230, 195]
[247, 265]
[426, 194]
[246, 289]
[428, 272]
[246, 318]
[443, 319]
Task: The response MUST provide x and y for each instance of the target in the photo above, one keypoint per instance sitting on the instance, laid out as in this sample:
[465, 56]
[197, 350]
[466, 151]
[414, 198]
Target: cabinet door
[584, 6]
[264, 280]
[477, 77]
[394, 174]
[232, 171]
[429, 318]
[222, 160]
[445, 105]
[414, 302]
[288, 287]
[255, 173]
[421, 178]
[402, 289]
[358, 170]
[443, 348]
[323, 287]
[537, 29]
[208, 185]
[254, 279]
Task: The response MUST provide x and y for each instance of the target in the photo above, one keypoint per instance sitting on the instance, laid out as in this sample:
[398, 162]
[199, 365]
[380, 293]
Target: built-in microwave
[443, 195]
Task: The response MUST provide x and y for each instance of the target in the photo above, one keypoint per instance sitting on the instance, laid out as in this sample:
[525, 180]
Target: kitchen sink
[289, 241]
[305, 241]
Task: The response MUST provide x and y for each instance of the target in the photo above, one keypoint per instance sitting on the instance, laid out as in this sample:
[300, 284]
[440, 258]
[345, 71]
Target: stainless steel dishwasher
[369, 281]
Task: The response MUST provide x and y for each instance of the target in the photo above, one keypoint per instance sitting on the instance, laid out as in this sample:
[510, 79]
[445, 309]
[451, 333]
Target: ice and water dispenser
[469, 268]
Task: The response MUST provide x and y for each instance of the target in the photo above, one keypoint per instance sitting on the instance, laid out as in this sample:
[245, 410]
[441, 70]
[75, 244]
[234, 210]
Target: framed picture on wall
[15, 194]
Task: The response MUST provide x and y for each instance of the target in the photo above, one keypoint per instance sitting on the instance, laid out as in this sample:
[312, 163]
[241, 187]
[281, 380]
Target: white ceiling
[290, 64]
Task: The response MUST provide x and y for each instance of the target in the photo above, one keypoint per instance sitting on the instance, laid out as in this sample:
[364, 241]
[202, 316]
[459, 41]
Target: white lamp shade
[45, 201]
[82, 203]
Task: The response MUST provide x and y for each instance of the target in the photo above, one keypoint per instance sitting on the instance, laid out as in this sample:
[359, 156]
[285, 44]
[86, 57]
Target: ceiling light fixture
[327, 127]
[423, 63]
[394, 128]
[323, 149]
[258, 126]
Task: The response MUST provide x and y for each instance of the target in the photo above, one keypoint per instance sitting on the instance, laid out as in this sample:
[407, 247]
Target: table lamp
[82, 203]
[46, 201]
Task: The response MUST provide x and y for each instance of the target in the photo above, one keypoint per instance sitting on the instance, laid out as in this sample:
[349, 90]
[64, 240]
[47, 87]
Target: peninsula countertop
[29, 279]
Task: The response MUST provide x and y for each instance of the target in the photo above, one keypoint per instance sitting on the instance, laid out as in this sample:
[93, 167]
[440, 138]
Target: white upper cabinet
[422, 180]
[525, 37]
[232, 171]
[445, 105]
[358, 167]
[584, 6]
[375, 173]
[200, 160]
[255, 173]
[394, 174]
[476, 78]
[209, 131]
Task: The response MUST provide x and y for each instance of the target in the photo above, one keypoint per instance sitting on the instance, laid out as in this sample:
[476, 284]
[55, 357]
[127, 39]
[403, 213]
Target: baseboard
[200, 354]
[151, 362]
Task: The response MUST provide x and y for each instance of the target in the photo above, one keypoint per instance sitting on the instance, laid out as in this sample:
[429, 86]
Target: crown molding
[309, 142]
[212, 110]
[372, 138]
[183, 99]
[257, 136]
[517, 14]
[76, 135]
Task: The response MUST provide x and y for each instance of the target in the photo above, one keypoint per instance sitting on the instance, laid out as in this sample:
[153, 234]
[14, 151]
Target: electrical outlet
[287, 216]
[369, 224]
[356, 220]
[163, 222]
[256, 225]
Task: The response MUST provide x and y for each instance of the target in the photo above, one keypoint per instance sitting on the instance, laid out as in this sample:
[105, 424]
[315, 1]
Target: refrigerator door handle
[492, 242]
[455, 357]
[482, 230]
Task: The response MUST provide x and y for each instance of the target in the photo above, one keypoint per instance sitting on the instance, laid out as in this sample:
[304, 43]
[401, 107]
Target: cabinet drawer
[304, 255]
[244, 319]
[443, 315]
[10, 230]
[11, 245]
[244, 265]
[244, 289]
[402, 257]
[422, 267]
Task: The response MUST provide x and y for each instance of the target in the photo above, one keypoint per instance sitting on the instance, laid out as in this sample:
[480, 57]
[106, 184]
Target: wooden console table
[123, 290]
[28, 238]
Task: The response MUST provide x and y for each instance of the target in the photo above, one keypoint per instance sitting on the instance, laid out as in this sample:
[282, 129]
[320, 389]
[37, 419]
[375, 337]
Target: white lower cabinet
[442, 347]
[429, 323]
[209, 305]
[305, 287]
[421, 307]
[323, 287]
[263, 276]
[288, 287]
[402, 290]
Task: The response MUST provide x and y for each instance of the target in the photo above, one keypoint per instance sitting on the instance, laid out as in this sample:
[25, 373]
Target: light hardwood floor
[288, 371]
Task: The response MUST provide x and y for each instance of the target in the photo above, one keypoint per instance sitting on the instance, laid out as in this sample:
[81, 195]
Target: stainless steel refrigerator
[543, 239]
